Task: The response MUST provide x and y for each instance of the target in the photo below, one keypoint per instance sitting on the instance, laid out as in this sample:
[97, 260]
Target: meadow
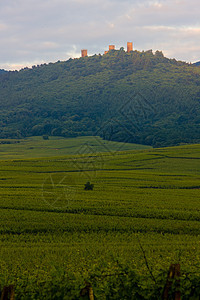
[33, 147]
[55, 237]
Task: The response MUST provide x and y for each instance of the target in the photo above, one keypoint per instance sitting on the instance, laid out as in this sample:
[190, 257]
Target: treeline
[138, 97]
[2, 71]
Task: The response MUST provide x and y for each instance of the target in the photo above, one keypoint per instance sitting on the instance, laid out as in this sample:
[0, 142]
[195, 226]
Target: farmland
[55, 236]
[34, 147]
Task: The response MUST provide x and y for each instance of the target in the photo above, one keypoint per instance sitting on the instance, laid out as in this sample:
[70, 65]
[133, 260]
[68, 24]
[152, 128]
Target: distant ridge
[2, 71]
[197, 63]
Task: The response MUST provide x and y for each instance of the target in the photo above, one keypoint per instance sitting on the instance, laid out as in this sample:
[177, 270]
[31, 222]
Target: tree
[89, 186]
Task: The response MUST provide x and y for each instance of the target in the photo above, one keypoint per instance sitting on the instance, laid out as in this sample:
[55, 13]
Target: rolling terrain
[55, 236]
[56, 146]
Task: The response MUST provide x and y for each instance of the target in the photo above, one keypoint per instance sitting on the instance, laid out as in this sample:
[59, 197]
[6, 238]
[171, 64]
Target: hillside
[137, 97]
[33, 147]
[2, 71]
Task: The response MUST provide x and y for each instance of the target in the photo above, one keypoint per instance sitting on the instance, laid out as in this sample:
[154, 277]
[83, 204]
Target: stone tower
[111, 47]
[84, 53]
[129, 47]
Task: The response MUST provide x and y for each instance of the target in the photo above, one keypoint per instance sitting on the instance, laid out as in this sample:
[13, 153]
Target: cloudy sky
[37, 31]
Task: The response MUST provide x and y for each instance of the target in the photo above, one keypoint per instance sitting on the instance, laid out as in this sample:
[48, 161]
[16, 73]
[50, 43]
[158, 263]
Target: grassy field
[57, 146]
[55, 236]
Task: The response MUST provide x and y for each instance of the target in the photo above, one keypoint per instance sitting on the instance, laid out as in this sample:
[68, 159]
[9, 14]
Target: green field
[55, 236]
[33, 147]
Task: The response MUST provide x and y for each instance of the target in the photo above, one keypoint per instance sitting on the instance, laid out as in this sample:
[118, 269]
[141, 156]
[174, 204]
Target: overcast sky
[37, 31]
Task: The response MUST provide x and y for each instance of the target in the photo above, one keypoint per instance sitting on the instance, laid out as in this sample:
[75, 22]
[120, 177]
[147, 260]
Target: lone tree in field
[88, 186]
[45, 137]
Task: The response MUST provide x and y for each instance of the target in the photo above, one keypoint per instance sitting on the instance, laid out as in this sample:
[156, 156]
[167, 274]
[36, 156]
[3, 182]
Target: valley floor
[55, 236]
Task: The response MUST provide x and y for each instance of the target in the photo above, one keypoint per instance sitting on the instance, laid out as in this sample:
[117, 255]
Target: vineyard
[143, 214]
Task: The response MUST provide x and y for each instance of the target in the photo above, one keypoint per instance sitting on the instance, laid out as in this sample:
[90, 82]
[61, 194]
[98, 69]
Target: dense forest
[139, 97]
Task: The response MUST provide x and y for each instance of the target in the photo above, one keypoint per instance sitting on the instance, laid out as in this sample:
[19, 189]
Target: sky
[33, 32]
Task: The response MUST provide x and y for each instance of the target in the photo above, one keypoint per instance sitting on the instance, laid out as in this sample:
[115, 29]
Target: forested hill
[2, 71]
[137, 97]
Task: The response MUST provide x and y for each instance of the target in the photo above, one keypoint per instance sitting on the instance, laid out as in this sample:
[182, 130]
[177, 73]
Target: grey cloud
[34, 31]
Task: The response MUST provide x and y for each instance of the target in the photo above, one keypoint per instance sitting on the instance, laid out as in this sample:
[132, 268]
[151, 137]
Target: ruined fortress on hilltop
[111, 47]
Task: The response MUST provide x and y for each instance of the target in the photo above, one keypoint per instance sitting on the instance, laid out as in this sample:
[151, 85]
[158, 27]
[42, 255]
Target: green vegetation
[88, 186]
[56, 146]
[136, 97]
[55, 236]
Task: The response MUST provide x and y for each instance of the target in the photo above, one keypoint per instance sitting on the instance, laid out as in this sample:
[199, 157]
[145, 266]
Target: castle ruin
[84, 53]
[111, 47]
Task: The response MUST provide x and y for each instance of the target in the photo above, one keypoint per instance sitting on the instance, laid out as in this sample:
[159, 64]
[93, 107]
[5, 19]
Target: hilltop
[137, 97]
[2, 71]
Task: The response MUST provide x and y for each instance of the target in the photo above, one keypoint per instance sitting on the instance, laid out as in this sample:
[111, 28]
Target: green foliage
[89, 186]
[52, 244]
[78, 97]
[45, 137]
[57, 146]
